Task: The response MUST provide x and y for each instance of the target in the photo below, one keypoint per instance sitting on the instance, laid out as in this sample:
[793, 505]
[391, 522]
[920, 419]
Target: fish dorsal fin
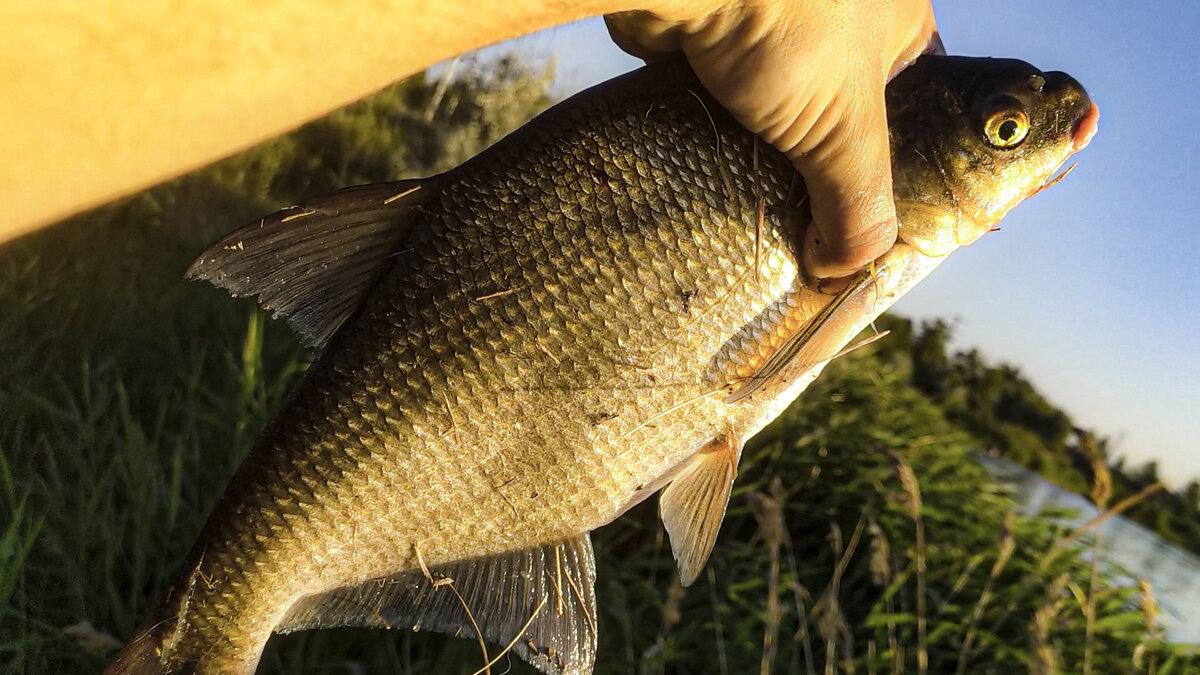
[313, 263]
[822, 336]
[693, 505]
[540, 600]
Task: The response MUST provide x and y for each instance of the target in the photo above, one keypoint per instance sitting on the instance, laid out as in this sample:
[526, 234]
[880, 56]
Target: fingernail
[833, 285]
[816, 254]
[828, 258]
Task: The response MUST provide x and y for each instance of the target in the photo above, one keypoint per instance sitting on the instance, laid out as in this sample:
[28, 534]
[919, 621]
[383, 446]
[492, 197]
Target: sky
[1092, 288]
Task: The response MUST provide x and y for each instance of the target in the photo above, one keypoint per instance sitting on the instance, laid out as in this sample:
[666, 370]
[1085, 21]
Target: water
[1127, 549]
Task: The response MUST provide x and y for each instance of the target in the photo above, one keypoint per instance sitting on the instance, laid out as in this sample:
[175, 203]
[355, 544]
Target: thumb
[642, 34]
[848, 173]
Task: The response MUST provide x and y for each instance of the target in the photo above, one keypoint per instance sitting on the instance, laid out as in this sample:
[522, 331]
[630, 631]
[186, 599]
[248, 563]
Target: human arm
[101, 100]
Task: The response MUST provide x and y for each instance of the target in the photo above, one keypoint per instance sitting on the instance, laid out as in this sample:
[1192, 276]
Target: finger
[642, 35]
[923, 38]
[849, 178]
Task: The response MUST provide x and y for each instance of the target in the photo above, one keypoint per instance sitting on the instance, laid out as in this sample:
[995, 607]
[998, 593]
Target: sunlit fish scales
[603, 305]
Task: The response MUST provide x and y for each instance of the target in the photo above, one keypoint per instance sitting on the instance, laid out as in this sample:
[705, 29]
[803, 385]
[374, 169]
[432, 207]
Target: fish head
[972, 138]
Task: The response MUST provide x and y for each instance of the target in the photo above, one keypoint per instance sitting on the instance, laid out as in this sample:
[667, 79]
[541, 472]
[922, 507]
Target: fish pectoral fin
[821, 337]
[693, 505]
[314, 263]
[540, 600]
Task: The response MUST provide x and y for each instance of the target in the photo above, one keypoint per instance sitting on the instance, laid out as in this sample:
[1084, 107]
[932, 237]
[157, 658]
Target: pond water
[1127, 549]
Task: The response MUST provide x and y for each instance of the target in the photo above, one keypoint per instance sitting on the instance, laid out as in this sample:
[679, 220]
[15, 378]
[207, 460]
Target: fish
[604, 305]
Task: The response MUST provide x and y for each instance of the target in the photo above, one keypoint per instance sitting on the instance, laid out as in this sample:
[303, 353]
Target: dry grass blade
[718, 627]
[1101, 492]
[908, 481]
[831, 621]
[1149, 606]
[1089, 608]
[1057, 178]
[1063, 545]
[1121, 506]
[1149, 609]
[671, 613]
[497, 294]
[453, 422]
[717, 154]
[860, 344]
[1101, 477]
[760, 217]
[1006, 548]
[449, 583]
[670, 618]
[844, 562]
[964, 576]
[402, 194]
[761, 212]
[881, 554]
[802, 599]
[439, 93]
[768, 511]
[881, 576]
[1045, 656]
[670, 410]
[912, 506]
[507, 648]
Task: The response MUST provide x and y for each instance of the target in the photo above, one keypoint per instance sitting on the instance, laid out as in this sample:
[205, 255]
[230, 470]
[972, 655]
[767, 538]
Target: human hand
[808, 76]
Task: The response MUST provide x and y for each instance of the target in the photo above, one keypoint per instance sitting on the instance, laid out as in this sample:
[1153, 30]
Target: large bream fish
[604, 305]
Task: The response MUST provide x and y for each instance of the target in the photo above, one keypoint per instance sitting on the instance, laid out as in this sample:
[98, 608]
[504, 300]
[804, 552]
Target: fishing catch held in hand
[604, 305]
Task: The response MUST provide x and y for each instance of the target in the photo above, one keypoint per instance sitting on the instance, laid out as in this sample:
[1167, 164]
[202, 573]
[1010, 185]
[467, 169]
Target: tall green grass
[860, 538]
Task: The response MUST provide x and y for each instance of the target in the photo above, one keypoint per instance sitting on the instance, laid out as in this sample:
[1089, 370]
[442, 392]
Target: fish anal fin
[540, 600]
[314, 263]
[693, 505]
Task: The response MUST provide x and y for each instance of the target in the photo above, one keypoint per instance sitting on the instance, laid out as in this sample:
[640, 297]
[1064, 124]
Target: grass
[859, 537]
[112, 485]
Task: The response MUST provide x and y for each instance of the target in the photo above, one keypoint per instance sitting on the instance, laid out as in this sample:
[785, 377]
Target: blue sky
[1093, 287]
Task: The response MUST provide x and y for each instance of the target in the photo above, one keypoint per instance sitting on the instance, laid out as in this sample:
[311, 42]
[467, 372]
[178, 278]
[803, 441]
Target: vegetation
[860, 537]
[1003, 412]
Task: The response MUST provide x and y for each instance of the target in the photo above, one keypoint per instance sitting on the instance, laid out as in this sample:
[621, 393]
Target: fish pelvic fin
[693, 505]
[538, 602]
[314, 263]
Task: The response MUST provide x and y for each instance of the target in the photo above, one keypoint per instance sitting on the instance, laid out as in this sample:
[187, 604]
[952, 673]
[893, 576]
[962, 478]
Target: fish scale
[524, 347]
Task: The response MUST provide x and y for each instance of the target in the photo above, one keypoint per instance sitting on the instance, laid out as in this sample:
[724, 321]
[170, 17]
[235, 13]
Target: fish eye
[1007, 128]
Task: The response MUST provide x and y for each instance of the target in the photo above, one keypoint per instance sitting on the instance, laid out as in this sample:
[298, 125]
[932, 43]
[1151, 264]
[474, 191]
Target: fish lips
[1084, 111]
[1085, 128]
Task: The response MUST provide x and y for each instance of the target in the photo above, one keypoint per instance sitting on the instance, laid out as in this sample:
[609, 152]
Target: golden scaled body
[515, 352]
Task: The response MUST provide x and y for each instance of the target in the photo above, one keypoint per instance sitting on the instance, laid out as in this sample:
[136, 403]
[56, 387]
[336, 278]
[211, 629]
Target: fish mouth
[1071, 95]
[1085, 128]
